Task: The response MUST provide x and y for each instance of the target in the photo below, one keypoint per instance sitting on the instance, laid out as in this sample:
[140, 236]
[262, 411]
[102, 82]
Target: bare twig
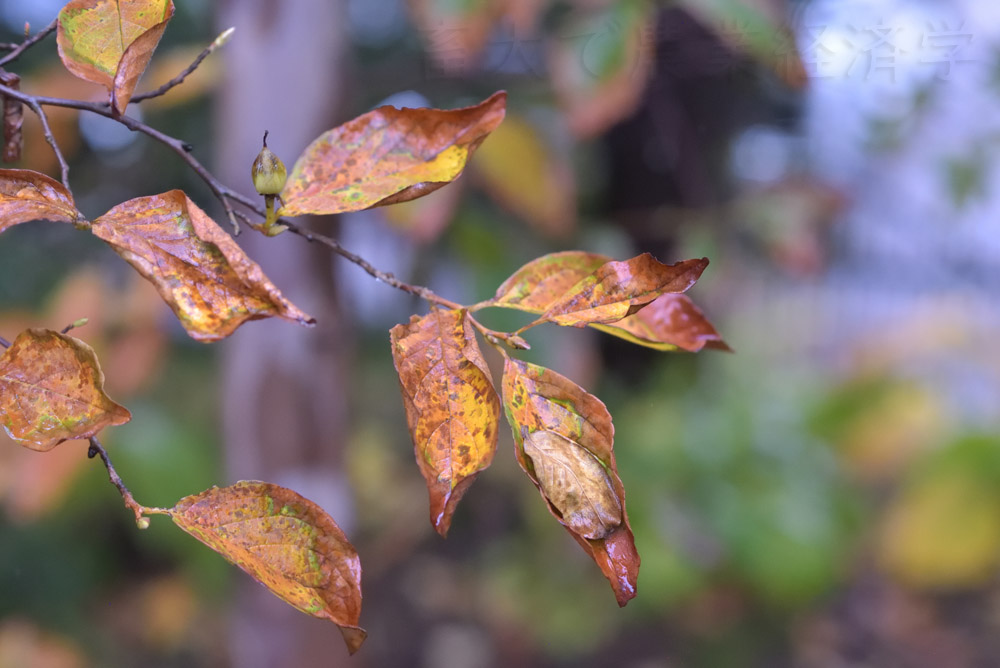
[29, 42]
[4, 342]
[219, 41]
[96, 449]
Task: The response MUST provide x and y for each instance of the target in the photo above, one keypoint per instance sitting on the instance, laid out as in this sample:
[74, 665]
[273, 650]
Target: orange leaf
[284, 541]
[669, 322]
[387, 156]
[52, 390]
[540, 283]
[451, 406]
[565, 441]
[619, 289]
[197, 268]
[26, 195]
[110, 42]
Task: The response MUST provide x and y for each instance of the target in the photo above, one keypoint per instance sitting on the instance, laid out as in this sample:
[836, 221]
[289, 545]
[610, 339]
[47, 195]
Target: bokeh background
[827, 496]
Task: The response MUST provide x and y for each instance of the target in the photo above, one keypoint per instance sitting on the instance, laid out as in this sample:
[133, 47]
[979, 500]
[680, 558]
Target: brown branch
[227, 195]
[29, 42]
[177, 80]
[95, 450]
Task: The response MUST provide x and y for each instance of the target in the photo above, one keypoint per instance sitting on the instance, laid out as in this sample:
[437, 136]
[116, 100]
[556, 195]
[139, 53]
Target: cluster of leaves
[51, 385]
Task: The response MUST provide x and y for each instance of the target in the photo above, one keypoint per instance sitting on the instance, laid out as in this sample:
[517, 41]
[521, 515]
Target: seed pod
[268, 172]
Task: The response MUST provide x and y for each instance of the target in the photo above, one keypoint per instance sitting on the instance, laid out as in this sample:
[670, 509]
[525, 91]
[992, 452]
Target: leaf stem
[95, 450]
[29, 42]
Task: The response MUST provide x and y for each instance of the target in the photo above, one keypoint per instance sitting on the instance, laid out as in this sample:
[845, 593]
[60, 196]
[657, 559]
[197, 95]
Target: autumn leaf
[284, 541]
[202, 274]
[110, 42]
[669, 322]
[52, 390]
[619, 289]
[565, 441]
[387, 156]
[26, 195]
[451, 406]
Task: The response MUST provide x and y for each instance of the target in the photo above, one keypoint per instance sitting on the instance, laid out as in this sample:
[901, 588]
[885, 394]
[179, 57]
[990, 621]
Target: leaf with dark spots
[110, 42]
[451, 407]
[565, 440]
[619, 289]
[26, 195]
[387, 156]
[52, 390]
[202, 274]
[669, 322]
[540, 283]
[284, 541]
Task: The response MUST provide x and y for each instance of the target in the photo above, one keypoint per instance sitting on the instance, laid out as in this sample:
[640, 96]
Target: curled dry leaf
[52, 390]
[451, 407]
[284, 541]
[202, 274]
[110, 42]
[669, 322]
[26, 195]
[574, 482]
[565, 441]
[387, 156]
[13, 119]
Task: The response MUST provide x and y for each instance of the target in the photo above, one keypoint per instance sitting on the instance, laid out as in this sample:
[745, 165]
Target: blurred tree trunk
[285, 403]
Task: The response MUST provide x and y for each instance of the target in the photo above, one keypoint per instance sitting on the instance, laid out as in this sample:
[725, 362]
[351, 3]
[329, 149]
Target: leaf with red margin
[285, 542]
[565, 441]
[387, 156]
[26, 195]
[110, 42]
[52, 390]
[669, 322]
[202, 274]
[452, 410]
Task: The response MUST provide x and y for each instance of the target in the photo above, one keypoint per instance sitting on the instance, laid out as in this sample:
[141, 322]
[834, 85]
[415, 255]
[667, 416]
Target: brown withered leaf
[565, 440]
[52, 390]
[202, 274]
[451, 407]
[669, 322]
[26, 195]
[13, 119]
[619, 289]
[284, 541]
[110, 42]
[387, 156]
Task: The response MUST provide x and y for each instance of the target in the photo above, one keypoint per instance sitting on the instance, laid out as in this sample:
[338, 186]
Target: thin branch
[96, 449]
[29, 42]
[177, 80]
[51, 140]
[4, 342]
[227, 195]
